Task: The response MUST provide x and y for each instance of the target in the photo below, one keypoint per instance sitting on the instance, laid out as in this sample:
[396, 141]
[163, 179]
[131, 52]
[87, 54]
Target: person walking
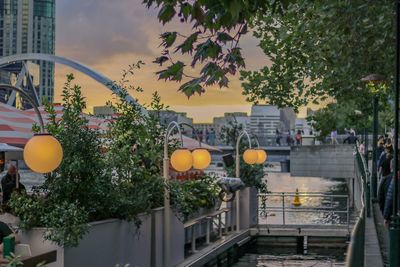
[334, 140]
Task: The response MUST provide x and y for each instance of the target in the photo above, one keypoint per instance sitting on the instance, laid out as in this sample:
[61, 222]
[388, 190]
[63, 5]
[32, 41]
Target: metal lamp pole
[243, 133]
[394, 229]
[35, 107]
[30, 100]
[375, 79]
[374, 177]
[167, 209]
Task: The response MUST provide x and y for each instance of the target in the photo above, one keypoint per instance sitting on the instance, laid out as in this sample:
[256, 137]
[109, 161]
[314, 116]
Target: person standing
[9, 183]
[278, 137]
[298, 137]
[351, 139]
[334, 140]
[288, 138]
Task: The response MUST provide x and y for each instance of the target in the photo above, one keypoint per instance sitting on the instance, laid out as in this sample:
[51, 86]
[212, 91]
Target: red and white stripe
[16, 125]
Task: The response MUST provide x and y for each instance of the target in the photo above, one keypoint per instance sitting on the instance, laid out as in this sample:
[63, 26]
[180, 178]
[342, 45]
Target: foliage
[322, 49]
[135, 149]
[190, 195]
[218, 26]
[352, 113]
[78, 191]
[14, 260]
[115, 174]
[251, 175]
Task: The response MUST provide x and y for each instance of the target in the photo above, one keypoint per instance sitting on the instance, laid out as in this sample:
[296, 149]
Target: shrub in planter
[192, 195]
[111, 175]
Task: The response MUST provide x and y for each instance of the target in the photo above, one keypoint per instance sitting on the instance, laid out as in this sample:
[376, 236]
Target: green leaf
[191, 87]
[173, 72]
[166, 13]
[187, 45]
[168, 38]
[197, 13]
[186, 10]
[161, 60]
[224, 37]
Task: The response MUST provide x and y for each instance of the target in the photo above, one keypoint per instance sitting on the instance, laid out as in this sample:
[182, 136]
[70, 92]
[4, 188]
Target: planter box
[114, 241]
[248, 207]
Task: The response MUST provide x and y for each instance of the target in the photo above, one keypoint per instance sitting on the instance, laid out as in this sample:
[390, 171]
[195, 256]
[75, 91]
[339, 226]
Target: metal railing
[282, 203]
[355, 250]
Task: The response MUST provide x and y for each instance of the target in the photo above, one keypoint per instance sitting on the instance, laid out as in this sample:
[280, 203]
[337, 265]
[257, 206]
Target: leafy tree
[321, 49]
[218, 26]
[353, 113]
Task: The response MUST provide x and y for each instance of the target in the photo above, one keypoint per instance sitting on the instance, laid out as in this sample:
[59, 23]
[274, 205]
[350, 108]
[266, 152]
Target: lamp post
[42, 153]
[375, 79]
[394, 227]
[181, 160]
[250, 156]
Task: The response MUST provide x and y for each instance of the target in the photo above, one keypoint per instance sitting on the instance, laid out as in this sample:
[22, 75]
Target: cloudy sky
[109, 35]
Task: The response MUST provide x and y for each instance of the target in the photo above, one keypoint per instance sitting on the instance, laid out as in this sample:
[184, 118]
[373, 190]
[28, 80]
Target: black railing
[355, 251]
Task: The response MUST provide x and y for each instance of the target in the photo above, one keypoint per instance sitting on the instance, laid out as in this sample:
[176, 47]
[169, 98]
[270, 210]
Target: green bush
[190, 195]
[91, 184]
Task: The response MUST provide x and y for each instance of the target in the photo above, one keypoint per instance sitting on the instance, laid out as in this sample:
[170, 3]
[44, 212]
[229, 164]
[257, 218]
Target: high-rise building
[28, 26]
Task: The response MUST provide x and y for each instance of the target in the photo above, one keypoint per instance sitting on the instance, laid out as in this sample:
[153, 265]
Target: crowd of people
[292, 138]
[384, 161]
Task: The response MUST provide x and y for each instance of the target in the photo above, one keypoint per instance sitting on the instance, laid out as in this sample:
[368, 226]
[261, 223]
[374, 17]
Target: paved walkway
[373, 256]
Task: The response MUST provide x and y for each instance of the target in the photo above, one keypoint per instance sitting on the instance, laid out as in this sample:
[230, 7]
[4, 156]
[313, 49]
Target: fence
[355, 251]
[336, 206]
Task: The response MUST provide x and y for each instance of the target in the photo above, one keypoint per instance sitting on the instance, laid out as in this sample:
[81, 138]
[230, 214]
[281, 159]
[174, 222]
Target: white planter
[248, 207]
[114, 241]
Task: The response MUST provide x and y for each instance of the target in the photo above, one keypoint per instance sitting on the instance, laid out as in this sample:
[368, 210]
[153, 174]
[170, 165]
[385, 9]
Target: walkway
[373, 256]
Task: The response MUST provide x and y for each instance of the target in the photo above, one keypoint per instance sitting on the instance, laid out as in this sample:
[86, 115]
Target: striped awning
[16, 125]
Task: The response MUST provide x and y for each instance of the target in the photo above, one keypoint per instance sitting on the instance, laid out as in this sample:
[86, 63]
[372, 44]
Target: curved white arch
[73, 64]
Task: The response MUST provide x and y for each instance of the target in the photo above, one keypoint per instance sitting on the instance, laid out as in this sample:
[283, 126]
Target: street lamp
[43, 152]
[181, 160]
[375, 79]
[250, 156]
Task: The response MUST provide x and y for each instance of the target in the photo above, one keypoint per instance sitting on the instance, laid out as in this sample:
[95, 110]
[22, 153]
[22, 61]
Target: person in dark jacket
[384, 168]
[383, 188]
[387, 212]
[351, 139]
[9, 184]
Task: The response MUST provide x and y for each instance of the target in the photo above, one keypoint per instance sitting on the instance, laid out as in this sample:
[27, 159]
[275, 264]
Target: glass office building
[28, 26]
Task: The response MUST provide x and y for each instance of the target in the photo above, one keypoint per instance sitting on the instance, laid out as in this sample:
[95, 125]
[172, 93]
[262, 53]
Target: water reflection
[283, 182]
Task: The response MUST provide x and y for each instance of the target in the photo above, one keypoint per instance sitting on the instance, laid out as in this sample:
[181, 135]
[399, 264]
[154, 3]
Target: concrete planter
[248, 207]
[114, 241]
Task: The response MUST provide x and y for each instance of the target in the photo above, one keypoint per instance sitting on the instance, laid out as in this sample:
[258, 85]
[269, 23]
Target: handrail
[355, 250]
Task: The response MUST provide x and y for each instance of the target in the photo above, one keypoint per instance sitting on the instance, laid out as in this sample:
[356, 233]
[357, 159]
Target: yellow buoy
[296, 200]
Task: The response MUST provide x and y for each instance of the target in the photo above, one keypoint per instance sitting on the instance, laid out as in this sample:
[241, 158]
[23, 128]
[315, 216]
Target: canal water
[260, 253]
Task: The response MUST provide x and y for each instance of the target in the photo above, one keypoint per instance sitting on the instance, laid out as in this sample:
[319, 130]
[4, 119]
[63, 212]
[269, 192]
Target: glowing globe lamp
[181, 160]
[250, 156]
[201, 158]
[43, 153]
[262, 156]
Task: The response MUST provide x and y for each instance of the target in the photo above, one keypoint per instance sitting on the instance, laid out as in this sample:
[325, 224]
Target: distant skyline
[108, 36]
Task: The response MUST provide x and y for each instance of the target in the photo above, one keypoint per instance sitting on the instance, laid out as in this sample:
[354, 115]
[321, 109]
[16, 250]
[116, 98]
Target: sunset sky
[109, 35]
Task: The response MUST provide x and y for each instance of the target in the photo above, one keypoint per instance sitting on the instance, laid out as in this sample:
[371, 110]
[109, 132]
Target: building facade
[28, 26]
[167, 116]
[268, 122]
